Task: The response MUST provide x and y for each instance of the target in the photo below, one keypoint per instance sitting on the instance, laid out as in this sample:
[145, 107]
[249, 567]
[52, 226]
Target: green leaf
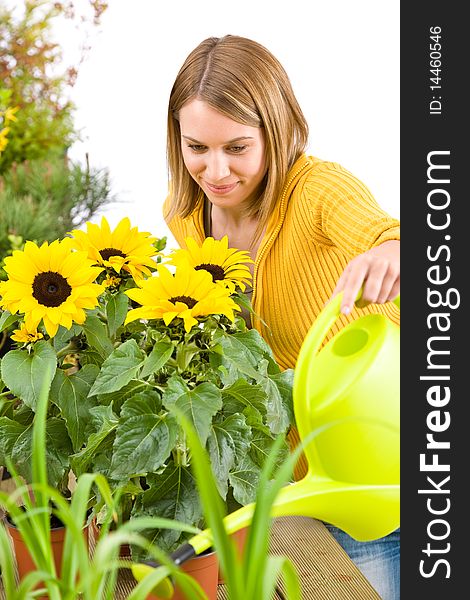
[23, 372]
[116, 311]
[70, 393]
[227, 441]
[242, 394]
[105, 422]
[63, 336]
[91, 357]
[144, 439]
[236, 355]
[147, 403]
[254, 342]
[119, 368]
[261, 443]
[58, 450]
[284, 382]
[23, 415]
[10, 431]
[158, 357]
[172, 495]
[185, 353]
[213, 510]
[277, 417]
[244, 480]
[7, 319]
[117, 398]
[97, 336]
[281, 567]
[199, 405]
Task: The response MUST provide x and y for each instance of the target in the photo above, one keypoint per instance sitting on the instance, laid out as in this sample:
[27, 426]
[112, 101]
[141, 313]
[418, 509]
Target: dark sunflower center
[51, 289]
[216, 271]
[190, 302]
[106, 253]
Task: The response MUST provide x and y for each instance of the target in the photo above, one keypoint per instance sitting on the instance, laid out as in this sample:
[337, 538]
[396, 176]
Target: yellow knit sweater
[324, 217]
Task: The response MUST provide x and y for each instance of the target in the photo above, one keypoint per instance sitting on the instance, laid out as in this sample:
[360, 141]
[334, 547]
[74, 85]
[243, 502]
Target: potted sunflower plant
[52, 295]
[130, 333]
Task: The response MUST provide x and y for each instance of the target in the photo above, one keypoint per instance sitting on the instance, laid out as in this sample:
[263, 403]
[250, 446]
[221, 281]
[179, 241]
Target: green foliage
[42, 202]
[192, 373]
[28, 58]
[32, 71]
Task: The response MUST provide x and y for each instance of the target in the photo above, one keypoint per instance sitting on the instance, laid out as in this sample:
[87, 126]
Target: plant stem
[69, 349]
[180, 455]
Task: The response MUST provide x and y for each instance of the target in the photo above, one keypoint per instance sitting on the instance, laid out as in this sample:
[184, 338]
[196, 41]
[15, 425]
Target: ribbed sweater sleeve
[342, 212]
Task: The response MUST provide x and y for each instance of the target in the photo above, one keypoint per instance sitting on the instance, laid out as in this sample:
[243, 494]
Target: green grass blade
[256, 554]
[75, 558]
[39, 469]
[278, 567]
[213, 510]
[7, 564]
[31, 580]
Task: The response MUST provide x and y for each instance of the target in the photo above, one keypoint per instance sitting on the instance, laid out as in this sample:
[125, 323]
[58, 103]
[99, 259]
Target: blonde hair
[241, 79]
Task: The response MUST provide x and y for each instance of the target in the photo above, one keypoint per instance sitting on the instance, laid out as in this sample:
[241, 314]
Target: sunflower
[23, 336]
[51, 283]
[123, 249]
[226, 265]
[187, 294]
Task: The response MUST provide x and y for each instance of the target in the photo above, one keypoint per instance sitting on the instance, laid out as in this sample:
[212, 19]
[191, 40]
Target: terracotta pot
[204, 569]
[239, 537]
[24, 561]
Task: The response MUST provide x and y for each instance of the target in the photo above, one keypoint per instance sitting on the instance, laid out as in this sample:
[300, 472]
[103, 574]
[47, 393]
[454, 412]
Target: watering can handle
[322, 325]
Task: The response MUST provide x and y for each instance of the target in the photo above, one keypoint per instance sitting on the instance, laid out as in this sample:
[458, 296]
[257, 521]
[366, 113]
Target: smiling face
[224, 157]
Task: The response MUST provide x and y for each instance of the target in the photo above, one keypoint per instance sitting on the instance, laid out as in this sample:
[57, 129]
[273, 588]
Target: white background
[342, 57]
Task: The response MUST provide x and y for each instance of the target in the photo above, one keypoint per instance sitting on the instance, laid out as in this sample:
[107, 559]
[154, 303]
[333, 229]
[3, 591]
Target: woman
[236, 153]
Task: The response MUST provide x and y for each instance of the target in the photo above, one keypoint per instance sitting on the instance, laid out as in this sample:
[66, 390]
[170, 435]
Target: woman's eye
[237, 149]
[196, 147]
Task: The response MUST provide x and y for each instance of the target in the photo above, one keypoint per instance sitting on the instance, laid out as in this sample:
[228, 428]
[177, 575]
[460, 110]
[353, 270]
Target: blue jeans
[378, 560]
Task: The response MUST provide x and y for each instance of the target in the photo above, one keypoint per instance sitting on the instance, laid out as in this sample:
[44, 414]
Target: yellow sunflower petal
[50, 326]
[169, 316]
[31, 321]
[144, 312]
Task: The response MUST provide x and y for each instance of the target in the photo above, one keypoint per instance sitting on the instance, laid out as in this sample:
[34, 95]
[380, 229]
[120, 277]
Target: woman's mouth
[221, 189]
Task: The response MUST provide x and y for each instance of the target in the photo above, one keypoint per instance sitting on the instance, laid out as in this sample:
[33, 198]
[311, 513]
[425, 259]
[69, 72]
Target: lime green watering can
[349, 394]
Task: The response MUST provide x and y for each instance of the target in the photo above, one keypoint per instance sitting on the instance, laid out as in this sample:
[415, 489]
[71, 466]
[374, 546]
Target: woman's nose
[217, 168]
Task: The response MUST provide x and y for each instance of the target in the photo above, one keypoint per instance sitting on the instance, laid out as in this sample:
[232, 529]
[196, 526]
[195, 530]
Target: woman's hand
[377, 271]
